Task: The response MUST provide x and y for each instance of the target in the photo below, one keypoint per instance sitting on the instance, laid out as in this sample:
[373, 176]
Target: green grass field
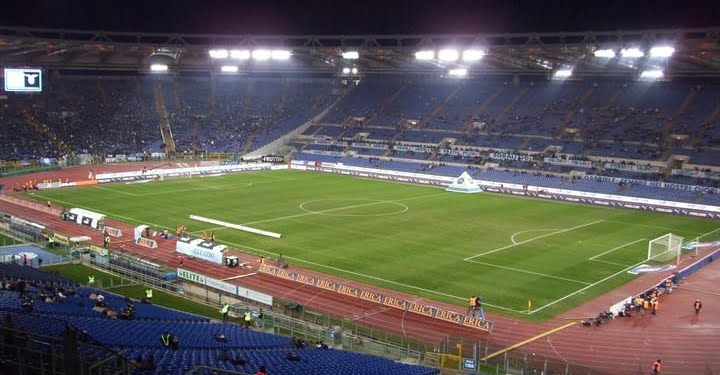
[421, 240]
[7, 241]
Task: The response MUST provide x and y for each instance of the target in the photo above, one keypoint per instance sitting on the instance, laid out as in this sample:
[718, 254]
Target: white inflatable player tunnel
[464, 184]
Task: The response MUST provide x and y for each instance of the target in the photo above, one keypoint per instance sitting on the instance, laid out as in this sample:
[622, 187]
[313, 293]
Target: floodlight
[351, 55]
[346, 70]
[631, 53]
[605, 53]
[563, 73]
[240, 54]
[158, 68]
[652, 74]
[458, 72]
[261, 54]
[470, 55]
[218, 53]
[354, 70]
[448, 55]
[280, 54]
[425, 55]
[229, 69]
[662, 51]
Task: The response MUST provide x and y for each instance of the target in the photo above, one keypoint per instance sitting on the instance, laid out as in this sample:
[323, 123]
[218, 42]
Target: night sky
[358, 17]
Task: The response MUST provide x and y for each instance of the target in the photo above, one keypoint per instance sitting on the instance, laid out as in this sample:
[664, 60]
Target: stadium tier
[139, 337]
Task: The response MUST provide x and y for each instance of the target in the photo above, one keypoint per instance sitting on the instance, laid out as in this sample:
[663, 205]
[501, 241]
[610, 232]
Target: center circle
[338, 207]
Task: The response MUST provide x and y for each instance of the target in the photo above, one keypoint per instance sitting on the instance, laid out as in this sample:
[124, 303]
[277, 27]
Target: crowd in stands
[155, 340]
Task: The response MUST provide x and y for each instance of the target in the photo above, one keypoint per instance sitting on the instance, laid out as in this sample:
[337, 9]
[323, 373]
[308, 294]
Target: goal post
[665, 248]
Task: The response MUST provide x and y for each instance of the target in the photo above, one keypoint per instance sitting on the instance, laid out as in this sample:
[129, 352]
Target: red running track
[687, 344]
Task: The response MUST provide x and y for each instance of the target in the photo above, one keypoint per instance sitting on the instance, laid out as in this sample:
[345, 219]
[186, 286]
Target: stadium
[479, 203]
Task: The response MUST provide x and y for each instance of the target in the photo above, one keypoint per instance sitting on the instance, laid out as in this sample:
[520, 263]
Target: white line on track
[616, 248]
[533, 239]
[370, 277]
[529, 272]
[339, 209]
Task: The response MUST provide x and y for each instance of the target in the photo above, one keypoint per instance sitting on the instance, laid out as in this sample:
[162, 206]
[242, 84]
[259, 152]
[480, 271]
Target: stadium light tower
[458, 73]
[229, 69]
[472, 55]
[218, 53]
[261, 54]
[631, 53]
[605, 53]
[350, 55]
[425, 55]
[662, 51]
[240, 54]
[652, 74]
[280, 54]
[563, 73]
[448, 54]
[159, 68]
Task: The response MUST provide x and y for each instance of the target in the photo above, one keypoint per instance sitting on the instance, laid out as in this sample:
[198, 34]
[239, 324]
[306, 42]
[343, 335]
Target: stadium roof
[697, 52]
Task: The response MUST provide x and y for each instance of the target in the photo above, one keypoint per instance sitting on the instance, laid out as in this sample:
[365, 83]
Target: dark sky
[358, 17]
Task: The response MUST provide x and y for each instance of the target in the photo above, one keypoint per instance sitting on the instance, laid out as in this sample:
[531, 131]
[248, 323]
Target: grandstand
[542, 116]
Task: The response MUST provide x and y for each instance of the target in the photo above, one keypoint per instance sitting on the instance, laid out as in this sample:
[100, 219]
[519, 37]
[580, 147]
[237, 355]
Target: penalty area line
[371, 277]
[586, 288]
[616, 248]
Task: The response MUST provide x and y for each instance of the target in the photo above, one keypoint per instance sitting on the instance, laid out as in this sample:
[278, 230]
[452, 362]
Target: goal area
[665, 248]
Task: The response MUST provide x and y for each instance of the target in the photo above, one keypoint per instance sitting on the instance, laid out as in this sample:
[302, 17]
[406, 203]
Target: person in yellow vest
[645, 306]
[247, 318]
[224, 311]
[148, 294]
[91, 279]
[106, 241]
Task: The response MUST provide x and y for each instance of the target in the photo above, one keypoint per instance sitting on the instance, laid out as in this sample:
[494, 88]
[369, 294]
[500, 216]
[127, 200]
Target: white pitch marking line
[370, 277]
[117, 191]
[616, 248]
[587, 287]
[512, 238]
[337, 209]
[532, 239]
[96, 210]
[529, 272]
[609, 262]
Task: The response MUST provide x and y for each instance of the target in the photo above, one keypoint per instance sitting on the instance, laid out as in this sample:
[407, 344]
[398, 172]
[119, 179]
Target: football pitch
[420, 240]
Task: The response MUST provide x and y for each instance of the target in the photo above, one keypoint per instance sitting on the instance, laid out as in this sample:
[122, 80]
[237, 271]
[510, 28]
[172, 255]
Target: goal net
[665, 248]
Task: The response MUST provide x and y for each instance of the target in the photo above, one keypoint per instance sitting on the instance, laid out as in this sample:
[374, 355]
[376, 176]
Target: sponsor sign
[149, 243]
[221, 285]
[113, 232]
[99, 250]
[59, 238]
[255, 296]
[367, 295]
[190, 275]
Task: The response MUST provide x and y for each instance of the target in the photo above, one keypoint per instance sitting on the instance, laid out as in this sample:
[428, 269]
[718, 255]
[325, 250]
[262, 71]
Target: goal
[665, 248]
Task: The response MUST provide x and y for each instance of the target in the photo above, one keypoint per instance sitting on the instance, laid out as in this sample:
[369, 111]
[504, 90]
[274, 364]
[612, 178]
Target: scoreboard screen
[23, 80]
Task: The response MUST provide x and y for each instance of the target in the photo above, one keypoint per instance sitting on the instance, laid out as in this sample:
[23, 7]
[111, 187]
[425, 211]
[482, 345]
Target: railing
[305, 324]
